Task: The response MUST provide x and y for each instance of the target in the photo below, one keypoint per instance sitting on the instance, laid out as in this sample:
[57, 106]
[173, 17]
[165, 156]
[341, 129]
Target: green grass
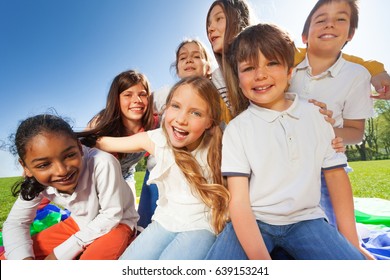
[369, 179]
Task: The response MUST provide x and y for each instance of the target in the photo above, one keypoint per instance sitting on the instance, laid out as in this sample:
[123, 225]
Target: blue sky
[64, 54]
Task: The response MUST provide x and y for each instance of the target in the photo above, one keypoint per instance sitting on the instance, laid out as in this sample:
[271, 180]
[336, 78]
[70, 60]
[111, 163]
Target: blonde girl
[193, 200]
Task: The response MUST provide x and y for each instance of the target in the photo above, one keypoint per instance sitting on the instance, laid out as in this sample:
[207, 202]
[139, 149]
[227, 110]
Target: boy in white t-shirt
[325, 76]
[272, 155]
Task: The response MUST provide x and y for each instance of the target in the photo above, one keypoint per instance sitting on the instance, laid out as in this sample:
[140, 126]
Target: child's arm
[130, 144]
[109, 201]
[352, 131]
[340, 191]
[16, 229]
[381, 83]
[243, 220]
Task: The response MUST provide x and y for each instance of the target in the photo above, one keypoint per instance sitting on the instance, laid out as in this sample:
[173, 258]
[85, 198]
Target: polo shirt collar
[332, 71]
[267, 115]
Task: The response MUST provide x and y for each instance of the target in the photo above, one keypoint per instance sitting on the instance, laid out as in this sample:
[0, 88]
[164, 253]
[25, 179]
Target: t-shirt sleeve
[331, 159]
[359, 104]
[234, 160]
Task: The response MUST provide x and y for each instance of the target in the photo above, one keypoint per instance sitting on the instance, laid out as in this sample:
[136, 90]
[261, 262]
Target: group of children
[238, 155]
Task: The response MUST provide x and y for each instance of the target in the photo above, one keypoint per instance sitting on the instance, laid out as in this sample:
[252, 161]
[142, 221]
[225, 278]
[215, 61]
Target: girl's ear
[208, 71]
[210, 124]
[289, 73]
[26, 171]
[80, 147]
[304, 39]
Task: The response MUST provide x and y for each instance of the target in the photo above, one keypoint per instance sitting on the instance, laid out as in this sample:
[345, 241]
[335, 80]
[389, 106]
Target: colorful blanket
[372, 218]
[373, 223]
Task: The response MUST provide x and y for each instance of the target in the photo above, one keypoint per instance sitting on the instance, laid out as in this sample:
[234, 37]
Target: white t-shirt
[101, 200]
[345, 88]
[178, 208]
[282, 154]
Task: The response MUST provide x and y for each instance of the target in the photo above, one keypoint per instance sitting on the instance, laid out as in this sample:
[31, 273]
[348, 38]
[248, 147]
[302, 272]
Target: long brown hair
[108, 122]
[214, 194]
[237, 14]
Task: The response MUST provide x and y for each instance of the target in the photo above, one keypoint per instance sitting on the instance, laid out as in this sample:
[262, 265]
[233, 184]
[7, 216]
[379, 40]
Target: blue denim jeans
[157, 243]
[147, 203]
[307, 240]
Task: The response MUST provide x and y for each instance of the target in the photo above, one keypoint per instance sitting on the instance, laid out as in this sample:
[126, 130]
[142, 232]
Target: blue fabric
[147, 203]
[378, 244]
[157, 243]
[326, 203]
[307, 240]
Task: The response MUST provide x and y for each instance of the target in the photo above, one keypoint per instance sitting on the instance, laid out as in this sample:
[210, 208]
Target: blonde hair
[214, 194]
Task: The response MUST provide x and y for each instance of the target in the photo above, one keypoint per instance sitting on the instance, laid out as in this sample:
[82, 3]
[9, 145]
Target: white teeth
[65, 179]
[262, 88]
[179, 130]
[327, 36]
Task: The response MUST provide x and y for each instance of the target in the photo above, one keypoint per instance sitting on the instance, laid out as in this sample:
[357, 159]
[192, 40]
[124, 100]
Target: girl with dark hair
[84, 180]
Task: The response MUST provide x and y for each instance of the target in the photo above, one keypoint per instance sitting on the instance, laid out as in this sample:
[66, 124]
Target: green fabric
[374, 211]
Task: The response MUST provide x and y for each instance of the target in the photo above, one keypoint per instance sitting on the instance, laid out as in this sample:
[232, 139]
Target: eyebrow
[131, 91]
[191, 52]
[45, 158]
[338, 13]
[220, 12]
[190, 108]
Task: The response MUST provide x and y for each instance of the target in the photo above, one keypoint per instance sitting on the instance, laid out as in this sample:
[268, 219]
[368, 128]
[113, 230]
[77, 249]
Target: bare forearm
[350, 135]
[135, 143]
[342, 200]
[248, 233]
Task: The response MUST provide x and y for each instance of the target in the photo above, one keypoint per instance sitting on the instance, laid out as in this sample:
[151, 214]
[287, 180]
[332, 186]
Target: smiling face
[264, 83]
[216, 26]
[133, 103]
[191, 61]
[329, 28]
[54, 159]
[186, 118]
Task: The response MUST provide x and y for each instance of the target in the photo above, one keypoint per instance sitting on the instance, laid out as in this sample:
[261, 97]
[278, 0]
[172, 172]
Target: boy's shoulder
[353, 66]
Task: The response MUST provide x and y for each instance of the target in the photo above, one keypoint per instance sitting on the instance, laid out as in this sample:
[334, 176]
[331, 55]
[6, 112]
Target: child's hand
[51, 257]
[323, 110]
[366, 253]
[338, 145]
[381, 83]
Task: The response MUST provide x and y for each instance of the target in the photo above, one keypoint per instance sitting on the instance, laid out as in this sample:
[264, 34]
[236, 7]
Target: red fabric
[108, 247]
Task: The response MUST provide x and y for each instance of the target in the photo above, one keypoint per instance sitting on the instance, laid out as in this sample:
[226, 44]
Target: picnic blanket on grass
[372, 218]
[373, 224]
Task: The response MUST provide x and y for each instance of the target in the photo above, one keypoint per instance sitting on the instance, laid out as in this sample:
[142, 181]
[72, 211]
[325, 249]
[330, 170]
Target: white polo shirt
[282, 154]
[345, 88]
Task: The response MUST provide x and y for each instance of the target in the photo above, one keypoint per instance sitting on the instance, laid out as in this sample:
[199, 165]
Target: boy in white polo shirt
[325, 76]
[273, 154]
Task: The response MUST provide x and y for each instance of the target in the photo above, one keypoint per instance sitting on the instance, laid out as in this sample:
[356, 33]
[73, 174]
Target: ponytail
[29, 188]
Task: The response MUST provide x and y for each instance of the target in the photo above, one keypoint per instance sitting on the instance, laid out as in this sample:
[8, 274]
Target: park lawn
[369, 179]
